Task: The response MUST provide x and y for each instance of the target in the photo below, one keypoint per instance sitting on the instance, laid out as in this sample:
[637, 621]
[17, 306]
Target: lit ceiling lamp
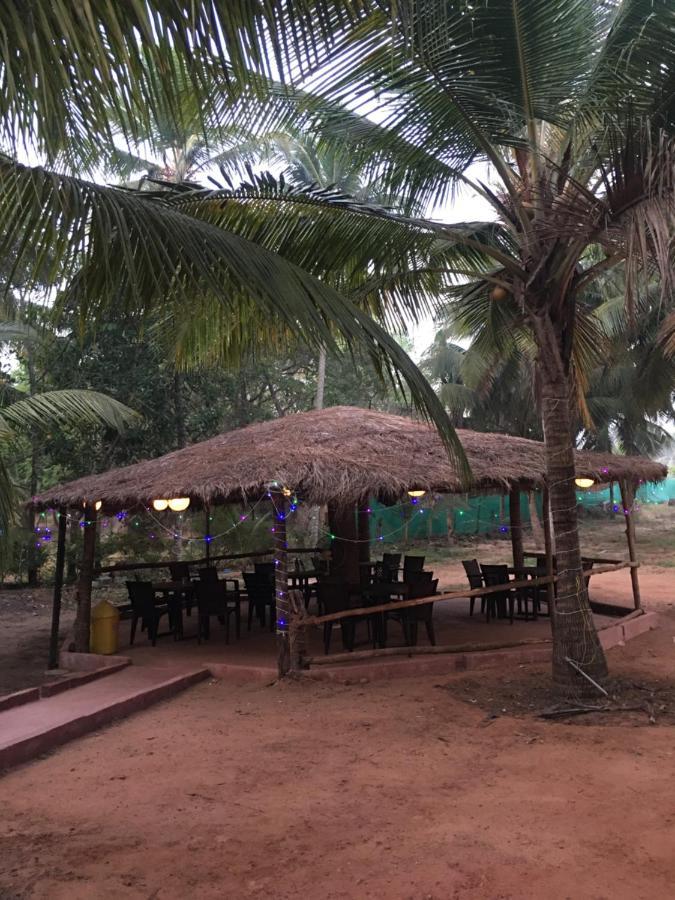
[160, 505]
[178, 504]
[416, 493]
[98, 505]
[584, 482]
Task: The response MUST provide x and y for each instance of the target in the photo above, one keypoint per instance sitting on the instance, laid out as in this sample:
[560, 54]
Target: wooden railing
[203, 561]
[421, 601]
[457, 595]
[304, 620]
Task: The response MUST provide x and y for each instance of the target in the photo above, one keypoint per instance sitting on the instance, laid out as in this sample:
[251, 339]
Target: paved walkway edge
[25, 750]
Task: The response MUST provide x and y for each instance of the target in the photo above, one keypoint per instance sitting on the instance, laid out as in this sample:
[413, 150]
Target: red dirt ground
[383, 790]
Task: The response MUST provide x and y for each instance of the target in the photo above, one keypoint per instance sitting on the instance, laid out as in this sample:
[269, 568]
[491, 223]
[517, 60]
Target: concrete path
[35, 728]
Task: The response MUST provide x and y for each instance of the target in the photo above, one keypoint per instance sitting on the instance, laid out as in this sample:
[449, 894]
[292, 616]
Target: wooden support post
[344, 546]
[281, 584]
[548, 549]
[83, 615]
[363, 528]
[58, 589]
[207, 533]
[628, 499]
[297, 630]
[516, 528]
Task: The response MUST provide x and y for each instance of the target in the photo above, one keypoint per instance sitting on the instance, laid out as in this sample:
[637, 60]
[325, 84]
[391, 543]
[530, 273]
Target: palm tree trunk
[574, 635]
[179, 410]
[35, 459]
[33, 570]
[278, 408]
[320, 379]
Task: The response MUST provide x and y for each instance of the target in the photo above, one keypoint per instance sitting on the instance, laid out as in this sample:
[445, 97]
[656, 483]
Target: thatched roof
[340, 455]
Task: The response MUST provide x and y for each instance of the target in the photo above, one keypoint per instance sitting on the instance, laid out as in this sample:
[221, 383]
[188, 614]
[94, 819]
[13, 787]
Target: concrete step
[35, 728]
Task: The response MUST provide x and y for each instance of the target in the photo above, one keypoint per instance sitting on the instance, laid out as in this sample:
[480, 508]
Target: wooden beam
[344, 546]
[421, 601]
[516, 521]
[612, 567]
[628, 499]
[58, 589]
[296, 630]
[363, 530]
[281, 584]
[83, 615]
[335, 658]
[207, 533]
[130, 567]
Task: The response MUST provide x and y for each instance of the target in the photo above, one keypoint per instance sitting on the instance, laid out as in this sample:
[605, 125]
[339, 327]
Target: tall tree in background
[182, 143]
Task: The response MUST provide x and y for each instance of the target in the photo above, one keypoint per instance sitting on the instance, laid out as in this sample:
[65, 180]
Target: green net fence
[437, 515]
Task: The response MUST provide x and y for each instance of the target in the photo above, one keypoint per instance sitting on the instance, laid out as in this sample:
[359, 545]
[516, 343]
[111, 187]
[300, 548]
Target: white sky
[467, 206]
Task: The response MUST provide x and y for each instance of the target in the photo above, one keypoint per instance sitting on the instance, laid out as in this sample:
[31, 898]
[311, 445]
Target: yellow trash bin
[105, 620]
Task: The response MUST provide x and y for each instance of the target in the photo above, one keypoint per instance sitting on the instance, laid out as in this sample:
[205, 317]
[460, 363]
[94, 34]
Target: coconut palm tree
[484, 391]
[26, 416]
[630, 393]
[556, 112]
[568, 106]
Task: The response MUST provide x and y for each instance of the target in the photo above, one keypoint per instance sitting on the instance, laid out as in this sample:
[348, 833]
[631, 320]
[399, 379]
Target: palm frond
[136, 250]
[18, 332]
[67, 407]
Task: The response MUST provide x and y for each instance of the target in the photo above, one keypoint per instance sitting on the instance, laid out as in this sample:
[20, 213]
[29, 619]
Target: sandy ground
[404, 789]
[415, 788]
[25, 621]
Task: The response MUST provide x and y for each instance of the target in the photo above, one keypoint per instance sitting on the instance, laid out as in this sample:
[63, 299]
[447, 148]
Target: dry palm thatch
[338, 455]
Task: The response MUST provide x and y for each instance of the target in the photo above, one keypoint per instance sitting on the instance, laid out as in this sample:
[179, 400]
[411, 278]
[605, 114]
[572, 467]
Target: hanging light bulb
[178, 504]
[98, 505]
[286, 492]
[416, 493]
[159, 505]
[584, 482]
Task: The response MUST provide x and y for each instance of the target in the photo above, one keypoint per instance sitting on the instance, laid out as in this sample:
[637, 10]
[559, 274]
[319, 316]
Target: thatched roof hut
[338, 455]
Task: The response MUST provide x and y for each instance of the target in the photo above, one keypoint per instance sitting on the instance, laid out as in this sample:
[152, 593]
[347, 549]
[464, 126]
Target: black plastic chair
[382, 573]
[392, 562]
[334, 596]
[143, 607]
[320, 565]
[208, 574]
[214, 600]
[497, 603]
[180, 571]
[411, 566]
[265, 569]
[473, 573]
[411, 617]
[260, 592]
